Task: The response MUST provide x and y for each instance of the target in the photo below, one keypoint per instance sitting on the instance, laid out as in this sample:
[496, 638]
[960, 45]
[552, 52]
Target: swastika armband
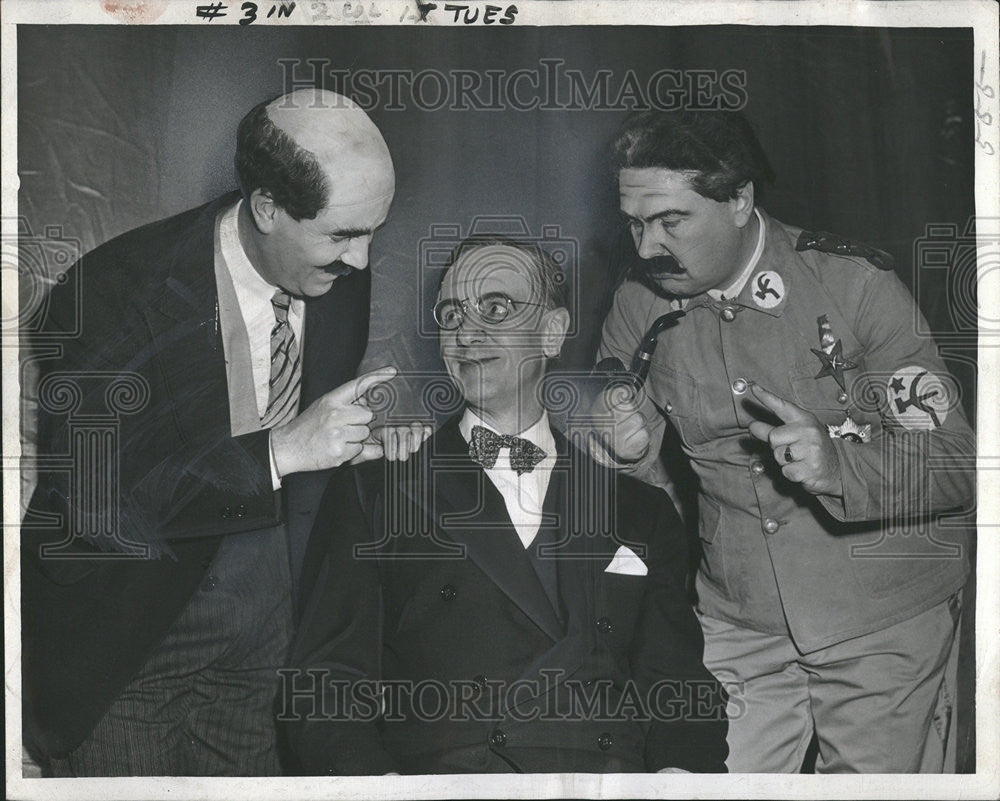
[831, 243]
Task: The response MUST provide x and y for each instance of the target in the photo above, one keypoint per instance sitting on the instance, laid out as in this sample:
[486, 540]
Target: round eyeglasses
[492, 309]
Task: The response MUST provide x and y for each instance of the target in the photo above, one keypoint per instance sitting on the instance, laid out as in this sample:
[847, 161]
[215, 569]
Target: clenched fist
[625, 438]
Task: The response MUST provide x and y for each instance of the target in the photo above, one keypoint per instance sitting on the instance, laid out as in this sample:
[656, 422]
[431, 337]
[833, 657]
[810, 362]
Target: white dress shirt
[523, 495]
[254, 296]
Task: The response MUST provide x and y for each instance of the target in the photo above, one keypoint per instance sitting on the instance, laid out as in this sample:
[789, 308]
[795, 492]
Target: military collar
[734, 289]
[767, 287]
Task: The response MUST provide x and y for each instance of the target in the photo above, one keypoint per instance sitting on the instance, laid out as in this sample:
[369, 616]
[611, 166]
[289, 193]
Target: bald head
[312, 149]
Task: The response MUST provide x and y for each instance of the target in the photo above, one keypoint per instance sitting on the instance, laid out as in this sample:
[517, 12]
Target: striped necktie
[286, 369]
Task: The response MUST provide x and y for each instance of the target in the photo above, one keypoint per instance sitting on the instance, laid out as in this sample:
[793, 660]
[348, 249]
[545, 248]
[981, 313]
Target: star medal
[850, 430]
[831, 354]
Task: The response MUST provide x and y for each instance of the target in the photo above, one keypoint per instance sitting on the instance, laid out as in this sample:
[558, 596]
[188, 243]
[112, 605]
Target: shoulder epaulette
[831, 243]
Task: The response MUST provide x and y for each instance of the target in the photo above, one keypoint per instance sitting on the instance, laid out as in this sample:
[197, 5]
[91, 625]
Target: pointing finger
[761, 431]
[353, 390]
[785, 435]
[787, 411]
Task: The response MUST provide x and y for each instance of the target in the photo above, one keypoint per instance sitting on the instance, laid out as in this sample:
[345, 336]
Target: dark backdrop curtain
[869, 132]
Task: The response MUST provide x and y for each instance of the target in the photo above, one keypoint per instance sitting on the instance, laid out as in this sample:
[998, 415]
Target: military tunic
[777, 559]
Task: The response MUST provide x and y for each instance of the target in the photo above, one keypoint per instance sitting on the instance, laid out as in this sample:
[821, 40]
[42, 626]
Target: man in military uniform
[826, 437]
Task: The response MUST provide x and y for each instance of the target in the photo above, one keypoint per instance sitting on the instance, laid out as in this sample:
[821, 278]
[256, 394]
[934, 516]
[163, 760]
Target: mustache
[648, 272]
[658, 265]
[338, 268]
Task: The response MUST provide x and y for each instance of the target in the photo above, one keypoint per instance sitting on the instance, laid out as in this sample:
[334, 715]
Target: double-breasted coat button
[842, 397]
[448, 592]
[740, 386]
[771, 525]
[209, 584]
[241, 510]
[227, 512]
[668, 407]
[604, 625]
[729, 314]
[498, 739]
[756, 467]
[480, 679]
[605, 741]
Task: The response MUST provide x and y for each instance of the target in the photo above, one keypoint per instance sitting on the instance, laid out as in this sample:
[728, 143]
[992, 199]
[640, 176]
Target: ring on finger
[788, 454]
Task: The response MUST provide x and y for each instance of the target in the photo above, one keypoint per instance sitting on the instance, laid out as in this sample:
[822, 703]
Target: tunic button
[756, 467]
[668, 407]
[448, 593]
[740, 386]
[605, 741]
[728, 314]
[209, 584]
[771, 525]
[842, 397]
[498, 739]
[604, 625]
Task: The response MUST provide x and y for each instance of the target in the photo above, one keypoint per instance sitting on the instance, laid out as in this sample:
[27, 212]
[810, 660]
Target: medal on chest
[832, 363]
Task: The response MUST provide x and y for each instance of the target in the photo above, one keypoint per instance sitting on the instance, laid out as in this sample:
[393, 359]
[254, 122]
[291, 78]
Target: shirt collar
[736, 287]
[539, 433]
[247, 282]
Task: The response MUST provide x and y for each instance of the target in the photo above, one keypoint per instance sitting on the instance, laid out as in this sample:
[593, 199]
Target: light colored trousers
[880, 703]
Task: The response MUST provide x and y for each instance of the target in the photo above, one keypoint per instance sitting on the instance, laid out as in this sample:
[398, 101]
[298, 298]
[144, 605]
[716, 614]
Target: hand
[331, 431]
[628, 439]
[814, 462]
[395, 443]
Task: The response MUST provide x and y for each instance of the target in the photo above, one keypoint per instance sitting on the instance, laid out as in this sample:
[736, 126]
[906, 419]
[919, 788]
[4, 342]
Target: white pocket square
[627, 563]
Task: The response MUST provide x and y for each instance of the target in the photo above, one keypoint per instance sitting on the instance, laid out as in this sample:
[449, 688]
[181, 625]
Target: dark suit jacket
[443, 595]
[149, 307]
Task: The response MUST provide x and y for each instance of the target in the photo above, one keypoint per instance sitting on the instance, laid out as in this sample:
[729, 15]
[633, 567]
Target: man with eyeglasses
[501, 603]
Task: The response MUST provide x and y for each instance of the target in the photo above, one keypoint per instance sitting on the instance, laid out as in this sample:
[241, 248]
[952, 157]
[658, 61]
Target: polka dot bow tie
[486, 445]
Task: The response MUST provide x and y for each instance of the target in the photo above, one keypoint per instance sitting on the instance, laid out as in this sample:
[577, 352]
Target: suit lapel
[181, 313]
[578, 497]
[571, 551]
[580, 501]
[470, 511]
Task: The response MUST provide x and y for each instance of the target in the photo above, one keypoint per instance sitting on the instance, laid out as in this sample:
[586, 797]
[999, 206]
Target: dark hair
[549, 278]
[269, 159]
[718, 147]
